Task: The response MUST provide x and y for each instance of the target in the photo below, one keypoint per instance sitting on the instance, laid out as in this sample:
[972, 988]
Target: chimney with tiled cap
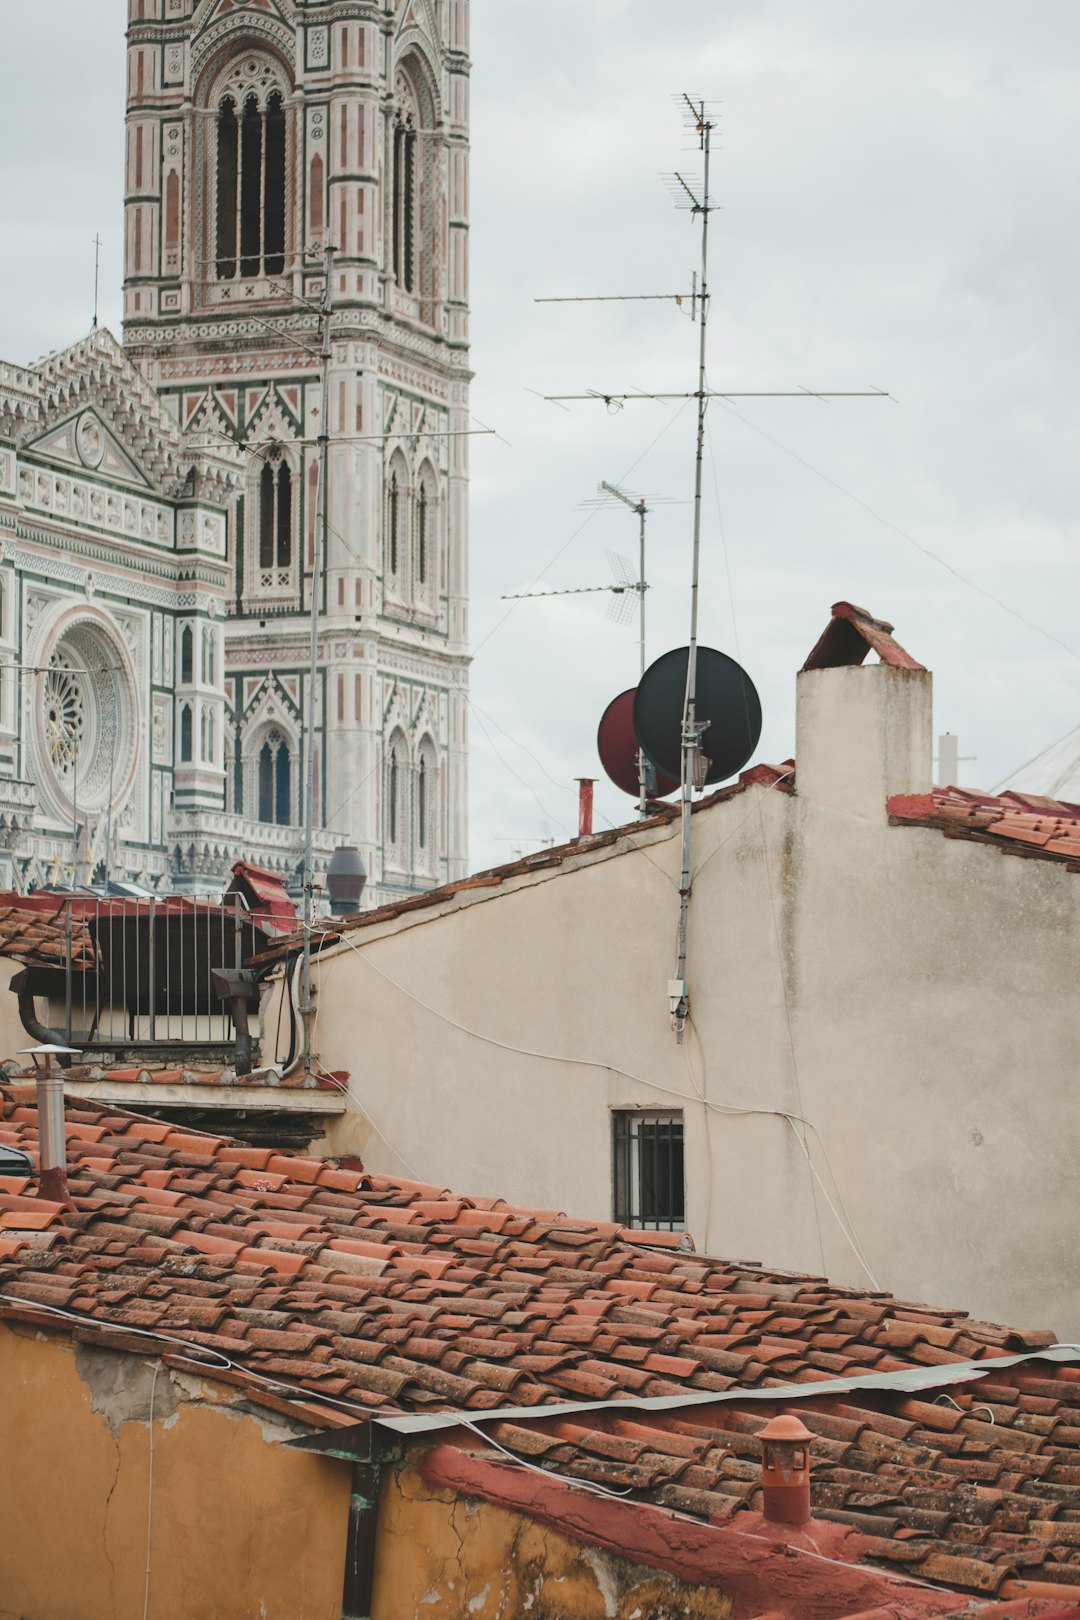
[785, 1470]
[863, 731]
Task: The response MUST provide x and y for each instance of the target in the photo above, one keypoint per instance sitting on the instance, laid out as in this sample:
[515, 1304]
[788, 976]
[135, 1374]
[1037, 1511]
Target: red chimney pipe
[585, 805]
[785, 1470]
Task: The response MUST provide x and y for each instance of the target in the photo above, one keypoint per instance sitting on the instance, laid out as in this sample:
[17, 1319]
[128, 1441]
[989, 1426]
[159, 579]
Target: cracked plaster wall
[242, 1529]
[445, 1557]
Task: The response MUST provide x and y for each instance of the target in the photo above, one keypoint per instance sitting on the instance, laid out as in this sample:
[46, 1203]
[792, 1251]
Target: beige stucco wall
[912, 996]
[241, 1527]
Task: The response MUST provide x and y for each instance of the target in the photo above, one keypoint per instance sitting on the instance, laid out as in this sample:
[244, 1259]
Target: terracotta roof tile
[391, 1295]
[1019, 824]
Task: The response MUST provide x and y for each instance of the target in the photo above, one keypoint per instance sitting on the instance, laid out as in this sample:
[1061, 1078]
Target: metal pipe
[52, 1145]
[691, 735]
[321, 525]
[67, 967]
[642, 764]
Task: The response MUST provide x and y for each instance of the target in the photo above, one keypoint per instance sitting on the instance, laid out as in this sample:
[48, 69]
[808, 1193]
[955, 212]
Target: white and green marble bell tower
[259, 132]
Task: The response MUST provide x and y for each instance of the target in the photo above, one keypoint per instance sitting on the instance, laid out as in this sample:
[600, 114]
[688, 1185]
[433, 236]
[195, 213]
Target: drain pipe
[52, 1142]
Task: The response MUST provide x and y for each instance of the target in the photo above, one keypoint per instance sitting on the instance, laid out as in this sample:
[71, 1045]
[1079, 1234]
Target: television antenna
[628, 585]
[695, 199]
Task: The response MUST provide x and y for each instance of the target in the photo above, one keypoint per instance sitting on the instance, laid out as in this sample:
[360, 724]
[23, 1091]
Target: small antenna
[97, 278]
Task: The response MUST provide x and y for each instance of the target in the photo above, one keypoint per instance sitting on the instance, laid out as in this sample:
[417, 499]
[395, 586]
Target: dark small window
[421, 537]
[185, 734]
[648, 1170]
[187, 656]
[394, 520]
[422, 803]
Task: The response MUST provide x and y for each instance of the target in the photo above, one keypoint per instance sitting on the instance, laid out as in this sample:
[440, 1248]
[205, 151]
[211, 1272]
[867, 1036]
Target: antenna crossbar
[617, 298]
[726, 393]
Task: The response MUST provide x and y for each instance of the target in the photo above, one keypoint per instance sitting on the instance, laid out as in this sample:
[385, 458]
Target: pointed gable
[97, 412]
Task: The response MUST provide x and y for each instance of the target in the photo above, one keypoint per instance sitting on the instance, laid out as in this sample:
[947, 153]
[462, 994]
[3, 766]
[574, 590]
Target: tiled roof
[769, 776]
[1018, 823]
[345, 1295]
[39, 939]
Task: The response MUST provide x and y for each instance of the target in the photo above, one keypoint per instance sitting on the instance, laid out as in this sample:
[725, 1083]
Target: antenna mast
[691, 730]
[641, 509]
[97, 273]
[321, 526]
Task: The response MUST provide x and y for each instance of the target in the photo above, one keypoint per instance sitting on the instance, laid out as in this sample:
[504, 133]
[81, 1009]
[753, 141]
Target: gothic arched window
[187, 656]
[427, 798]
[405, 197]
[274, 765]
[186, 740]
[209, 658]
[275, 513]
[251, 171]
[397, 809]
[413, 210]
[395, 560]
[425, 546]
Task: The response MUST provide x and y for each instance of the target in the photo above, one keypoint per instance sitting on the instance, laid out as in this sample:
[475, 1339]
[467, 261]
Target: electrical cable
[347, 1090]
[150, 1493]
[457, 682]
[731, 1109]
[904, 535]
[202, 1355]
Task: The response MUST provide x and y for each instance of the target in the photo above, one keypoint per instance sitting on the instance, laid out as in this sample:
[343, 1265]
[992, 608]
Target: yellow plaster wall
[444, 1557]
[242, 1529]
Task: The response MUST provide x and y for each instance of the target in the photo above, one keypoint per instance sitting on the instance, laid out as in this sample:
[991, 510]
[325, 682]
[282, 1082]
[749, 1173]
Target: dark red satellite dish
[618, 749]
[726, 697]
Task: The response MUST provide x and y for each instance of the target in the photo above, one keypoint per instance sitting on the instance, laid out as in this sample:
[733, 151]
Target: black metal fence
[149, 977]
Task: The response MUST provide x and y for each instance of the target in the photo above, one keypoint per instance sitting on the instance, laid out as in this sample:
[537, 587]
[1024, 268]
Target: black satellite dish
[726, 697]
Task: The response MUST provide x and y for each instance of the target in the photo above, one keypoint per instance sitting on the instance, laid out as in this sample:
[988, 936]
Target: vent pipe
[785, 1470]
[52, 1142]
[585, 805]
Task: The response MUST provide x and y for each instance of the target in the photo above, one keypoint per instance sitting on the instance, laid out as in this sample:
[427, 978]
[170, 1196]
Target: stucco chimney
[863, 732]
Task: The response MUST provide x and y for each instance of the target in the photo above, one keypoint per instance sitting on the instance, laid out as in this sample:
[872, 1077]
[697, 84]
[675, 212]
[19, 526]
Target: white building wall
[911, 996]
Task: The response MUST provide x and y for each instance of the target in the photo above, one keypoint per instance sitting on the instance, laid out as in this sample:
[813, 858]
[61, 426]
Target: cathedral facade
[162, 498]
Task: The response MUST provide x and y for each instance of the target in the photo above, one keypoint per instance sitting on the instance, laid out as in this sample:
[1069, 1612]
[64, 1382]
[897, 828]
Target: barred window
[647, 1170]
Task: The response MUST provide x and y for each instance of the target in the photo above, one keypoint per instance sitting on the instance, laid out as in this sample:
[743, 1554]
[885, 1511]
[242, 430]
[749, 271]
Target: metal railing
[149, 981]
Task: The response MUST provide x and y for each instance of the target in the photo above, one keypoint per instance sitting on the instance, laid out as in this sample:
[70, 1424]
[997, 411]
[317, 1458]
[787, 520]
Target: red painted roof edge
[757, 1572]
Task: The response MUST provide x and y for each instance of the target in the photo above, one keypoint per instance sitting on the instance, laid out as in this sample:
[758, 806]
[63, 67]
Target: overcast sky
[898, 189]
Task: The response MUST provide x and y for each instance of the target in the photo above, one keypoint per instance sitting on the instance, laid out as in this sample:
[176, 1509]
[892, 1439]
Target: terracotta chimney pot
[785, 1470]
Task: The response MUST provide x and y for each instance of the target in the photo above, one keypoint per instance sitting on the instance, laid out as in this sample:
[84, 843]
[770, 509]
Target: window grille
[647, 1170]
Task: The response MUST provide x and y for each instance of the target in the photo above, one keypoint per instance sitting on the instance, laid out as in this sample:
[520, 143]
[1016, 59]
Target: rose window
[85, 717]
